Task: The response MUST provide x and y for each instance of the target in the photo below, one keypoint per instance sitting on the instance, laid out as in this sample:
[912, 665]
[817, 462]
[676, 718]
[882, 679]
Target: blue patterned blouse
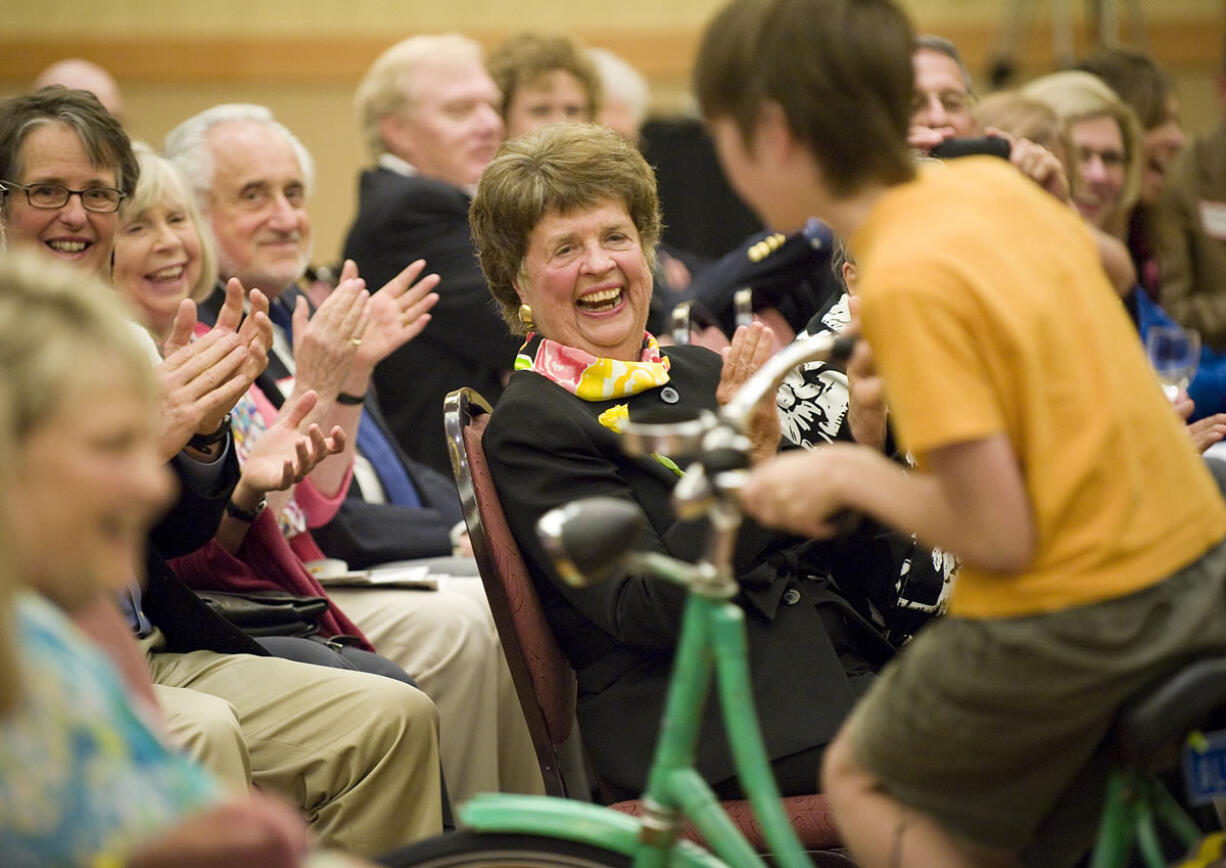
[82, 778]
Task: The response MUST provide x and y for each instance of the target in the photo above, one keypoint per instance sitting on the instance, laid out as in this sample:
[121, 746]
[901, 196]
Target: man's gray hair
[622, 83]
[941, 45]
[187, 145]
[384, 89]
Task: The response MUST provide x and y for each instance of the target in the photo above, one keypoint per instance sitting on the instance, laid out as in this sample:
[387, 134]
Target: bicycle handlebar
[586, 537]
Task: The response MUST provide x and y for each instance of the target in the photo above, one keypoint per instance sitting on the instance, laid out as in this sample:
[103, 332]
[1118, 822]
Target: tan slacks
[447, 641]
[358, 753]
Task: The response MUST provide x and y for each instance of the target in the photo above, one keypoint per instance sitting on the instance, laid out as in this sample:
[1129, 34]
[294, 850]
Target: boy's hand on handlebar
[798, 491]
[751, 346]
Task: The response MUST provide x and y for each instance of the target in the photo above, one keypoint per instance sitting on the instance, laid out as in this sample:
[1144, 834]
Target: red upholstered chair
[544, 680]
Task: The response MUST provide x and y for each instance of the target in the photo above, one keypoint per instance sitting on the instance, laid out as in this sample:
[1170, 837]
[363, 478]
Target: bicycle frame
[711, 641]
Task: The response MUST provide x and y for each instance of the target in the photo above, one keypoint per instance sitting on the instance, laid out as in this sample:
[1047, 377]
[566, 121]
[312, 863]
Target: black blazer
[401, 219]
[187, 623]
[546, 447]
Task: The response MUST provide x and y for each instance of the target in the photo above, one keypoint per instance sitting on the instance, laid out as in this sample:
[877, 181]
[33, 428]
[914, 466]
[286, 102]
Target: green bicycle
[588, 540]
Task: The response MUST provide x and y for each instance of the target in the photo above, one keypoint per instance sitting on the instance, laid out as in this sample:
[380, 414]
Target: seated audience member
[446, 638]
[566, 221]
[86, 778]
[1147, 90]
[1190, 233]
[625, 95]
[429, 114]
[942, 108]
[544, 79]
[221, 694]
[820, 403]
[162, 258]
[77, 73]
[1105, 161]
[1092, 541]
[1105, 139]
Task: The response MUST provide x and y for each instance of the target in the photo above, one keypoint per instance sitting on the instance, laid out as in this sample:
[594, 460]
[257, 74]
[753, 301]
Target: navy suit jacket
[793, 277]
[401, 219]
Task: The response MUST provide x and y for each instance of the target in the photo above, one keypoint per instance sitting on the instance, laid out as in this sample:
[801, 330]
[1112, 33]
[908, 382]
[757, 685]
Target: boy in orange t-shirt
[1048, 459]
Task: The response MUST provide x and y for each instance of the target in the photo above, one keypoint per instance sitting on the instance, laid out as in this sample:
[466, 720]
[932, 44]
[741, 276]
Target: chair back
[544, 679]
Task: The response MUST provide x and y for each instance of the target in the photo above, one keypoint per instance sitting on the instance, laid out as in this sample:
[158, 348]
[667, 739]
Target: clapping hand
[326, 344]
[282, 456]
[1037, 163]
[397, 313]
[751, 346]
[201, 380]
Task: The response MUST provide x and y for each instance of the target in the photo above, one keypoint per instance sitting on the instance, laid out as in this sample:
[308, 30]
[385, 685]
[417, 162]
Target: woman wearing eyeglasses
[61, 188]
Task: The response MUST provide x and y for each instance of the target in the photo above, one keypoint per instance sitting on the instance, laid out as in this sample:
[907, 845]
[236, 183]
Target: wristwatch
[235, 511]
[204, 441]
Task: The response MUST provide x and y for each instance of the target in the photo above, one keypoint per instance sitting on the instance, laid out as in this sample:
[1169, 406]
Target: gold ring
[357, 342]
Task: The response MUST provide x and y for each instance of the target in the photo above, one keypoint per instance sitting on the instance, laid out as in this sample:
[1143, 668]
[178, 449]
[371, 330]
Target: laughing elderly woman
[566, 221]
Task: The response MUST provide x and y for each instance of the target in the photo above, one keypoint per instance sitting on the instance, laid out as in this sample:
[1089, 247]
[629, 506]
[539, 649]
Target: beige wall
[363, 16]
[304, 57]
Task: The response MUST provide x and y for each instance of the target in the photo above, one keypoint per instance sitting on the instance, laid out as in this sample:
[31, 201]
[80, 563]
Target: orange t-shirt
[988, 312]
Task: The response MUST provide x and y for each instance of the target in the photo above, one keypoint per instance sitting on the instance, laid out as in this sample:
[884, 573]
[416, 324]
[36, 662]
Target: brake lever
[674, 439]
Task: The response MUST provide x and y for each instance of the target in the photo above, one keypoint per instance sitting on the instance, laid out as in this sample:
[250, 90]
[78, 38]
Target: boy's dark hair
[105, 141]
[1136, 78]
[840, 70]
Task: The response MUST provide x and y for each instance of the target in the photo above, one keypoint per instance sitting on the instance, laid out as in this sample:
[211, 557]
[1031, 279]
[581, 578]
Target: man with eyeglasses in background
[943, 108]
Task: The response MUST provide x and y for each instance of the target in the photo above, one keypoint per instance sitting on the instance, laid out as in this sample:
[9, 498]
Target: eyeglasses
[952, 101]
[100, 200]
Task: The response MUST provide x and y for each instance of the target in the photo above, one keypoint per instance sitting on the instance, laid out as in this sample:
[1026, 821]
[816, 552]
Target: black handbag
[267, 613]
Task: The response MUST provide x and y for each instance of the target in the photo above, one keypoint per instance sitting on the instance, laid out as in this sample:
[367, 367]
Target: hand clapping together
[202, 379]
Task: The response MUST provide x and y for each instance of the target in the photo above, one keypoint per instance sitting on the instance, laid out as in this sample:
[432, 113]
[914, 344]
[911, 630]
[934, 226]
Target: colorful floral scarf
[595, 379]
[590, 377]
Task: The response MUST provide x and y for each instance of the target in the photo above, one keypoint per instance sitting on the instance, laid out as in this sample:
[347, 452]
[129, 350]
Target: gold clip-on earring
[525, 316]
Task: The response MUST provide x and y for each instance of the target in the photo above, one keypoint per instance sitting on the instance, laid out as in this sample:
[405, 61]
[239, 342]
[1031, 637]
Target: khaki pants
[358, 753]
[447, 641]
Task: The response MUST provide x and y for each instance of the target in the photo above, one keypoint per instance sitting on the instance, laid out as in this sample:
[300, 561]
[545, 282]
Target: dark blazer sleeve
[203, 492]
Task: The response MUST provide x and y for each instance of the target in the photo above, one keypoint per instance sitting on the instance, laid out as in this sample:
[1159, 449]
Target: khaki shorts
[995, 727]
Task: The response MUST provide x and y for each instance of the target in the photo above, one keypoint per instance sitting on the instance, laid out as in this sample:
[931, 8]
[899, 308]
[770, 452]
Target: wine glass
[1174, 353]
